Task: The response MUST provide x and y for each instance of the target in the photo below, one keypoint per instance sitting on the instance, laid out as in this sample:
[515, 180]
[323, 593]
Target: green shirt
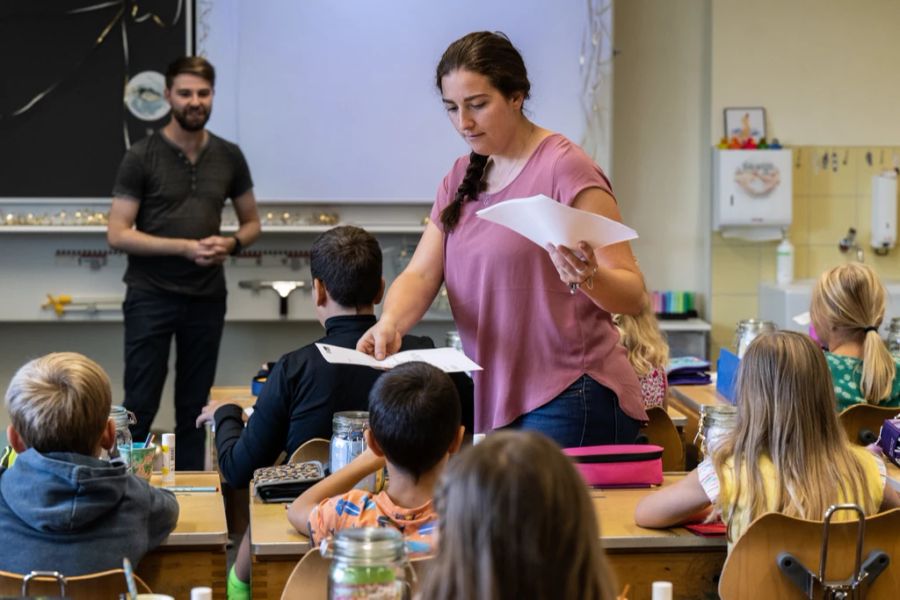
[846, 371]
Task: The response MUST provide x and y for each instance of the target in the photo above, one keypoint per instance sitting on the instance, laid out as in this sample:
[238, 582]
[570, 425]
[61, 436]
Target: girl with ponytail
[537, 319]
[847, 309]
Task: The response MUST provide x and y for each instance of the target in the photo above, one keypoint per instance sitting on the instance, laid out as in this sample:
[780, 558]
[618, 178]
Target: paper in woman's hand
[544, 220]
[448, 360]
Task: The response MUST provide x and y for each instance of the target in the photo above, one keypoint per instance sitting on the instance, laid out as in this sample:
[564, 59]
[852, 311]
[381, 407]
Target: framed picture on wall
[745, 122]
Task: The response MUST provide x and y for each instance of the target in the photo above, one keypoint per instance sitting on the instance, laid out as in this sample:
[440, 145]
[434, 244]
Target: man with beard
[166, 213]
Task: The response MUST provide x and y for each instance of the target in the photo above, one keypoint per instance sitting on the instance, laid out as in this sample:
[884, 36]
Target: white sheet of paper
[544, 220]
[448, 360]
[803, 319]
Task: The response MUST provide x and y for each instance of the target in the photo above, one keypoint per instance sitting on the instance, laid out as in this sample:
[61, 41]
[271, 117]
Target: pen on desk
[191, 488]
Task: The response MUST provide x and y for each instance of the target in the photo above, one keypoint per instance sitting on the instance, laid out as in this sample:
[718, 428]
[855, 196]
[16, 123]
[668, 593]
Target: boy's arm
[673, 505]
[163, 515]
[335, 484]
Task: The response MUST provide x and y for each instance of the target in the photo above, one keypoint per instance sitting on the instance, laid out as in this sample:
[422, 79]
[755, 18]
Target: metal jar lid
[350, 420]
[368, 545]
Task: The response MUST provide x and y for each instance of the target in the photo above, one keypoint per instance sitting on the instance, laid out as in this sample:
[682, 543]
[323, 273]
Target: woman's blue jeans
[586, 413]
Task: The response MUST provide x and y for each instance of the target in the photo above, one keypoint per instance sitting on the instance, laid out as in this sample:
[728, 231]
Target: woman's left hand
[575, 267]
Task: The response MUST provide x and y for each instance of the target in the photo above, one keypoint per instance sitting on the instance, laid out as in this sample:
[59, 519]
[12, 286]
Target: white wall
[661, 158]
[825, 70]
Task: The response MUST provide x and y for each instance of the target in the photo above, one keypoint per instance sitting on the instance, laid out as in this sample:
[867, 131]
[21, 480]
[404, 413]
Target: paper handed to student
[448, 360]
[544, 220]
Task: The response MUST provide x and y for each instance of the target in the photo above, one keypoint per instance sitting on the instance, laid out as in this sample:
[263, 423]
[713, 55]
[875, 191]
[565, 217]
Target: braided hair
[493, 56]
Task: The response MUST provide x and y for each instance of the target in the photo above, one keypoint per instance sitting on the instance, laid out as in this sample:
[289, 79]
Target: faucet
[849, 243]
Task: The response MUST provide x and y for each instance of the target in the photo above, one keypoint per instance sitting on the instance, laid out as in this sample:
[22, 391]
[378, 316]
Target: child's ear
[372, 443]
[15, 440]
[380, 295]
[457, 443]
[108, 437]
[319, 292]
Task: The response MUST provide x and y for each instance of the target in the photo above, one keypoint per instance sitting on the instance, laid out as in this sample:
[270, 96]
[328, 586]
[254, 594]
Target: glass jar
[717, 421]
[348, 441]
[893, 339]
[123, 418]
[367, 563]
[453, 341]
[747, 330]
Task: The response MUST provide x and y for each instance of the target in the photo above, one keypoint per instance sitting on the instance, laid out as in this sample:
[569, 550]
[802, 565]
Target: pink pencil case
[619, 465]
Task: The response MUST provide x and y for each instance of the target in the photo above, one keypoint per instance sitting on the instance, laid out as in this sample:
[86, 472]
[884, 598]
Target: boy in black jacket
[303, 390]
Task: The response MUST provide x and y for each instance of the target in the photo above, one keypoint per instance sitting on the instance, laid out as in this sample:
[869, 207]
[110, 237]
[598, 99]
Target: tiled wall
[828, 199]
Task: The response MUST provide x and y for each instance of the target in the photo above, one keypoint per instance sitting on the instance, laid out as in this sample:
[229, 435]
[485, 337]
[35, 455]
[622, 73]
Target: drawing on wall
[745, 123]
[144, 96]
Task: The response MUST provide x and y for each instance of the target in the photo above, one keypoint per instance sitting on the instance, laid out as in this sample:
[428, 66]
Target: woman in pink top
[537, 319]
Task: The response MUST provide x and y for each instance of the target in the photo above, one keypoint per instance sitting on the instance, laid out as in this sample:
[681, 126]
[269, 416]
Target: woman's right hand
[381, 340]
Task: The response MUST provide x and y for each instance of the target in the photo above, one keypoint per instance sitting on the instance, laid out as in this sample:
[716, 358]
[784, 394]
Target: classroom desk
[194, 553]
[638, 556]
[236, 393]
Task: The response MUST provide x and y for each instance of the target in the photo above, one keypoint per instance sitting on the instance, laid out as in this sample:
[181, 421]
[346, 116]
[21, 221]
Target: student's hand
[209, 411]
[381, 340]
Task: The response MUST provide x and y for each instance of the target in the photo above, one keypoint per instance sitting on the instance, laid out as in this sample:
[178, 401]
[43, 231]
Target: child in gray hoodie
[62, 508]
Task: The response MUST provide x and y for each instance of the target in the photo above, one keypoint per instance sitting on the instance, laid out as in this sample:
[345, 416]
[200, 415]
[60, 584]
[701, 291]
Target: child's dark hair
[190, 65]
[414, 414]
[347, 260]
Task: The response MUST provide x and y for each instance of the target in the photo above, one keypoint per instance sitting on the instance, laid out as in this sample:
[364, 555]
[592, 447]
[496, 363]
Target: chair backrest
[314, 449]
[751, 569]
[661, 431]
[309, 579]
[104, 584]
[862, 422]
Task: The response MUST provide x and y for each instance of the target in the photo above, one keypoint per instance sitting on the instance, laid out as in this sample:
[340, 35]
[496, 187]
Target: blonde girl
[847, 309]
[788, 453]
[648, 352]
[516, 522]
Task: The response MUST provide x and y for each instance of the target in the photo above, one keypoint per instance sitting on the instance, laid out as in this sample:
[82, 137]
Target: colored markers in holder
[670, 304]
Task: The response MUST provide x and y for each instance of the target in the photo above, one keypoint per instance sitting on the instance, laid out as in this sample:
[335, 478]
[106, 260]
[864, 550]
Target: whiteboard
[335, 101]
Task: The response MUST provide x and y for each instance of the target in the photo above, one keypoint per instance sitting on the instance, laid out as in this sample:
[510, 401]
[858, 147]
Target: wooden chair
[314, 449]
[752, 568]
[309, 579]
[104, 584]
[862, 422]
[662, 432]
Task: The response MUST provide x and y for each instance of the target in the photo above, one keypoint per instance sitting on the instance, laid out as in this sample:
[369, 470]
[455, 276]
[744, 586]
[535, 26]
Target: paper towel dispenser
[752, 189]
[884, 211]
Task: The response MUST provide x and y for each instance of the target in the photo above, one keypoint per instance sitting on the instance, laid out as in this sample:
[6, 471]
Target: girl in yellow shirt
[792, 455]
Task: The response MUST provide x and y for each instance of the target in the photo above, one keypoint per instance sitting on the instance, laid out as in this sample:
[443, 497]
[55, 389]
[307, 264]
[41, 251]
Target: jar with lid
[747, 330]
[717, 421]
[453, 340]
[893, 339]
[367, 563]
[122, 418]
[348, 441]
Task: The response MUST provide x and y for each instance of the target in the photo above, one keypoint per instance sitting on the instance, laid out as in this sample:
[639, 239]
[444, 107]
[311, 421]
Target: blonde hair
[647, 347]
[60, 403]
[516, 522]
[848, 303]
[786, 412]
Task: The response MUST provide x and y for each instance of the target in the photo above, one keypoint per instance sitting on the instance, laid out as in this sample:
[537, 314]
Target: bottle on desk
[661, 590]
[168, 459]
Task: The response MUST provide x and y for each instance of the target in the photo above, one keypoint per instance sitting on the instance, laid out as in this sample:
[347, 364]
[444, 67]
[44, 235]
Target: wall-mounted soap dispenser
[884, 211]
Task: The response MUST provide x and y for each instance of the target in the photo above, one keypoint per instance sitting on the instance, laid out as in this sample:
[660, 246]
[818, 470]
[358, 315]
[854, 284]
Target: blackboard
[70, 142]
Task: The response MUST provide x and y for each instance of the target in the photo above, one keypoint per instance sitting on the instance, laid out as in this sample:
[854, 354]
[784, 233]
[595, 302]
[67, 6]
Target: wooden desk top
[272, 535]
[238, 393]
[678, 418]
[692, 396]
[201, 520]
[270, 532]
[615, 512]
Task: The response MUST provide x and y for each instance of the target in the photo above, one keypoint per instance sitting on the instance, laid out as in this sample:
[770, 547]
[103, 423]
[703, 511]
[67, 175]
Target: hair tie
[868, 329]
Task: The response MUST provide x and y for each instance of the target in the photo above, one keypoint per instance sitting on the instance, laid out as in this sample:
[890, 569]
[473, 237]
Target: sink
[782, 302]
